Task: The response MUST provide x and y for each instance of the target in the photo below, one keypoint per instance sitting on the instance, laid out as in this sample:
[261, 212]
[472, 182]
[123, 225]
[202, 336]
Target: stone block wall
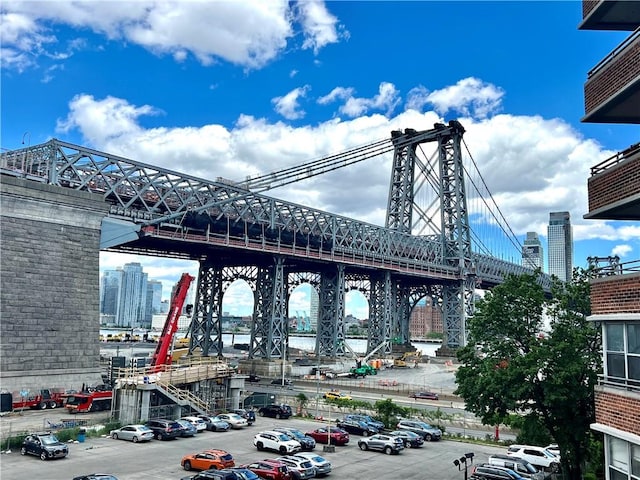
[49, 286]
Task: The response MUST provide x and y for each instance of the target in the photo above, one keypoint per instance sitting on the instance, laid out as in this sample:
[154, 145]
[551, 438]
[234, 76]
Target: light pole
[465, 461]
[24, 158]
[317, 383]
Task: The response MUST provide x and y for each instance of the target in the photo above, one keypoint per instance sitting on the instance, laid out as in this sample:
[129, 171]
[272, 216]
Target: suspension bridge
[444, 236]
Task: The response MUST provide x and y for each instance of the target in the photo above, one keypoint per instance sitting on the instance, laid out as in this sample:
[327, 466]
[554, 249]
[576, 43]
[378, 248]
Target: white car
[321, 464]
[537, 456]
[199, 423]
[276, 442]
[135, 433]
[233, 419]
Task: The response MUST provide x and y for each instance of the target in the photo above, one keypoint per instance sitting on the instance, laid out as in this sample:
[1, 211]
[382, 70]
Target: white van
[519, 465]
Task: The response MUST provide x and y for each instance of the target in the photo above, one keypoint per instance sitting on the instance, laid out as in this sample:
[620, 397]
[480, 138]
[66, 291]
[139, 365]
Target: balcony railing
[614, 53]
[615, 159]
[612, 266]
[629, 384]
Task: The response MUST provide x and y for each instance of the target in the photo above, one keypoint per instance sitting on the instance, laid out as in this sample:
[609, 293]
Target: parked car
[307, 443]
[276, 442]
[188, 430]
[243, 473]
[520, 465]
[425, 395]
[213, 475]
[383, 443]
[357, 427]
[336, 395]
[410, 439]
[554, 448]
[134, 433]
[248, 414]
[329, 435]
[538, 456]
[209, 459]
[164, 429]
[489, 472]
[276, 411]
[96, 476]
[366, 418]
[214, 424]
[233, 419]
[253, 378]
[44, 445]
[321, 464]
[300, 464]
[197, 422]
[428, 432]
[269, 469]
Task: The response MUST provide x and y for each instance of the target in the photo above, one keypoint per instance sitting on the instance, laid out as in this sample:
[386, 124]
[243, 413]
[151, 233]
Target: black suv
[357, 427]
[213, 474]
[276, 411]
[165, 429]
[44, 445]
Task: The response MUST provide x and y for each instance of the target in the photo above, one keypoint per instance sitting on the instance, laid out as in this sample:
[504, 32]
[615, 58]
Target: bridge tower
[452, 228]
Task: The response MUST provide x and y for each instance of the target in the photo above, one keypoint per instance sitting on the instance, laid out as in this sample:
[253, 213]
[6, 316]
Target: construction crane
[162, 355]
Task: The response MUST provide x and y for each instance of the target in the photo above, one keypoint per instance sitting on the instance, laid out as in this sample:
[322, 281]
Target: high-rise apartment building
[612, 95]
[560, 245]
[126, 298]
[532, 252]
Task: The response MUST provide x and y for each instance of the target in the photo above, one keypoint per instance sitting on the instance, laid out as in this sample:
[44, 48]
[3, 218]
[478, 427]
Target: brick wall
[614, 184]
[49, 286]
[618, 411]
[612, 77]
[588, 6]
[615, 294]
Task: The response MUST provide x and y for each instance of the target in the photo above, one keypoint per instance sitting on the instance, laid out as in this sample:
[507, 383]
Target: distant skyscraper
[314, 307]
[532, 252]
[110, 294]
[133, 299]
[560, 244]
[154, 297]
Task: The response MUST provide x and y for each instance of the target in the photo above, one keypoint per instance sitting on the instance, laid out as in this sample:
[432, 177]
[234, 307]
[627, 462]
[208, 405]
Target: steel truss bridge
[236, 232]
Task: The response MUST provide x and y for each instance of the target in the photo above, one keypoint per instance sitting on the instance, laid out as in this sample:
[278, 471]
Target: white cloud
[319, 26]
[468, 97]
[289, 105]
[208, 31]
[621, 251]
[386, 100]
[338, 93]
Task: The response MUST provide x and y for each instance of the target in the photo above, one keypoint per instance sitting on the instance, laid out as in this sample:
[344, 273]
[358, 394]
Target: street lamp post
[24, 158]
[464, 462]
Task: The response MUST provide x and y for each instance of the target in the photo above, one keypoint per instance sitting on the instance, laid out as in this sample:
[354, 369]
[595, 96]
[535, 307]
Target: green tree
[387, 411]
[512, 364]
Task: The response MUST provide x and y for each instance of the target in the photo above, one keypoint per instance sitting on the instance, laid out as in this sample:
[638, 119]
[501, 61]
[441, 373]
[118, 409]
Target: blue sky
[229, 89]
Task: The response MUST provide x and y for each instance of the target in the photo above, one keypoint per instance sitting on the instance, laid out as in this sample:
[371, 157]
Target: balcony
[612, 89]
[614, 187]
[610, 15]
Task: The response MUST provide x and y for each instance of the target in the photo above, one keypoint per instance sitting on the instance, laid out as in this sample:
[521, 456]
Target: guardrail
[615, 159]
[619, 383]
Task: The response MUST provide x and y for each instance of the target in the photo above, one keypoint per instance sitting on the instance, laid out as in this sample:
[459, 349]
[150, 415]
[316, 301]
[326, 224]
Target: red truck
[45, 398]
[94, 401]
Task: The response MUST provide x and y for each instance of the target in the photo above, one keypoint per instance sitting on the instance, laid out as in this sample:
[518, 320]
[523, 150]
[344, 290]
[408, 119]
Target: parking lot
[161, 460]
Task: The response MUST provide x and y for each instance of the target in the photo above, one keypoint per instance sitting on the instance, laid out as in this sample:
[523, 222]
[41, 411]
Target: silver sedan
[134, 433]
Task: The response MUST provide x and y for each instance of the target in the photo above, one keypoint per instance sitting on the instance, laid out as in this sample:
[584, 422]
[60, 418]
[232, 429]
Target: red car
[269, 469]
[338, 435]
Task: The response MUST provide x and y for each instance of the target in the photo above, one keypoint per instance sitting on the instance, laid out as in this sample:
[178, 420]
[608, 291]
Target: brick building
[425, 318]
[612, 95]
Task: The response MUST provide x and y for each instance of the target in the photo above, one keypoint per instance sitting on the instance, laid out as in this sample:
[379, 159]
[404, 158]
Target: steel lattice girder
[206, 324]
[381, 312]
[330, 337]
[269, 335]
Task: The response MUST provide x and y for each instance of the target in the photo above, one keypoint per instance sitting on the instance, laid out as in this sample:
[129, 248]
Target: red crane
[162, 355]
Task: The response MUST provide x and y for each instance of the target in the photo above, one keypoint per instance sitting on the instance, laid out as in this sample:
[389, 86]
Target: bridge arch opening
[356, 314]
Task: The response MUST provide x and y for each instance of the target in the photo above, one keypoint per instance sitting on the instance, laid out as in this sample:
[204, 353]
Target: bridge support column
[269, 333]
[330, 336]
[457, 306]
[381, 312]
[206, 324]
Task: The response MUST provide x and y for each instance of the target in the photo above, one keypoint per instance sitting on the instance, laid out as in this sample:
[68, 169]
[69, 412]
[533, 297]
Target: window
[622, 352]
[623, 459]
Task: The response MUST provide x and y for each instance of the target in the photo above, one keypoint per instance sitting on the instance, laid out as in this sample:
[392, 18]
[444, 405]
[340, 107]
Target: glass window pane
[614, 333]
[635, 460]
[616, 475]
[633, 338]
[634, 369]
[618, 454]
[615, 365]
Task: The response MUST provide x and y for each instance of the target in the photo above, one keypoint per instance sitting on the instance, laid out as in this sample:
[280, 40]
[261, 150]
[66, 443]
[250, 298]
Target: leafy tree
[387, 411]
[513, 365]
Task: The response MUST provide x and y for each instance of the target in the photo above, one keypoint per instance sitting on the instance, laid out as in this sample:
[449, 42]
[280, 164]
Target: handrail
[619, 382]
[615, 159]
[624, 44]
